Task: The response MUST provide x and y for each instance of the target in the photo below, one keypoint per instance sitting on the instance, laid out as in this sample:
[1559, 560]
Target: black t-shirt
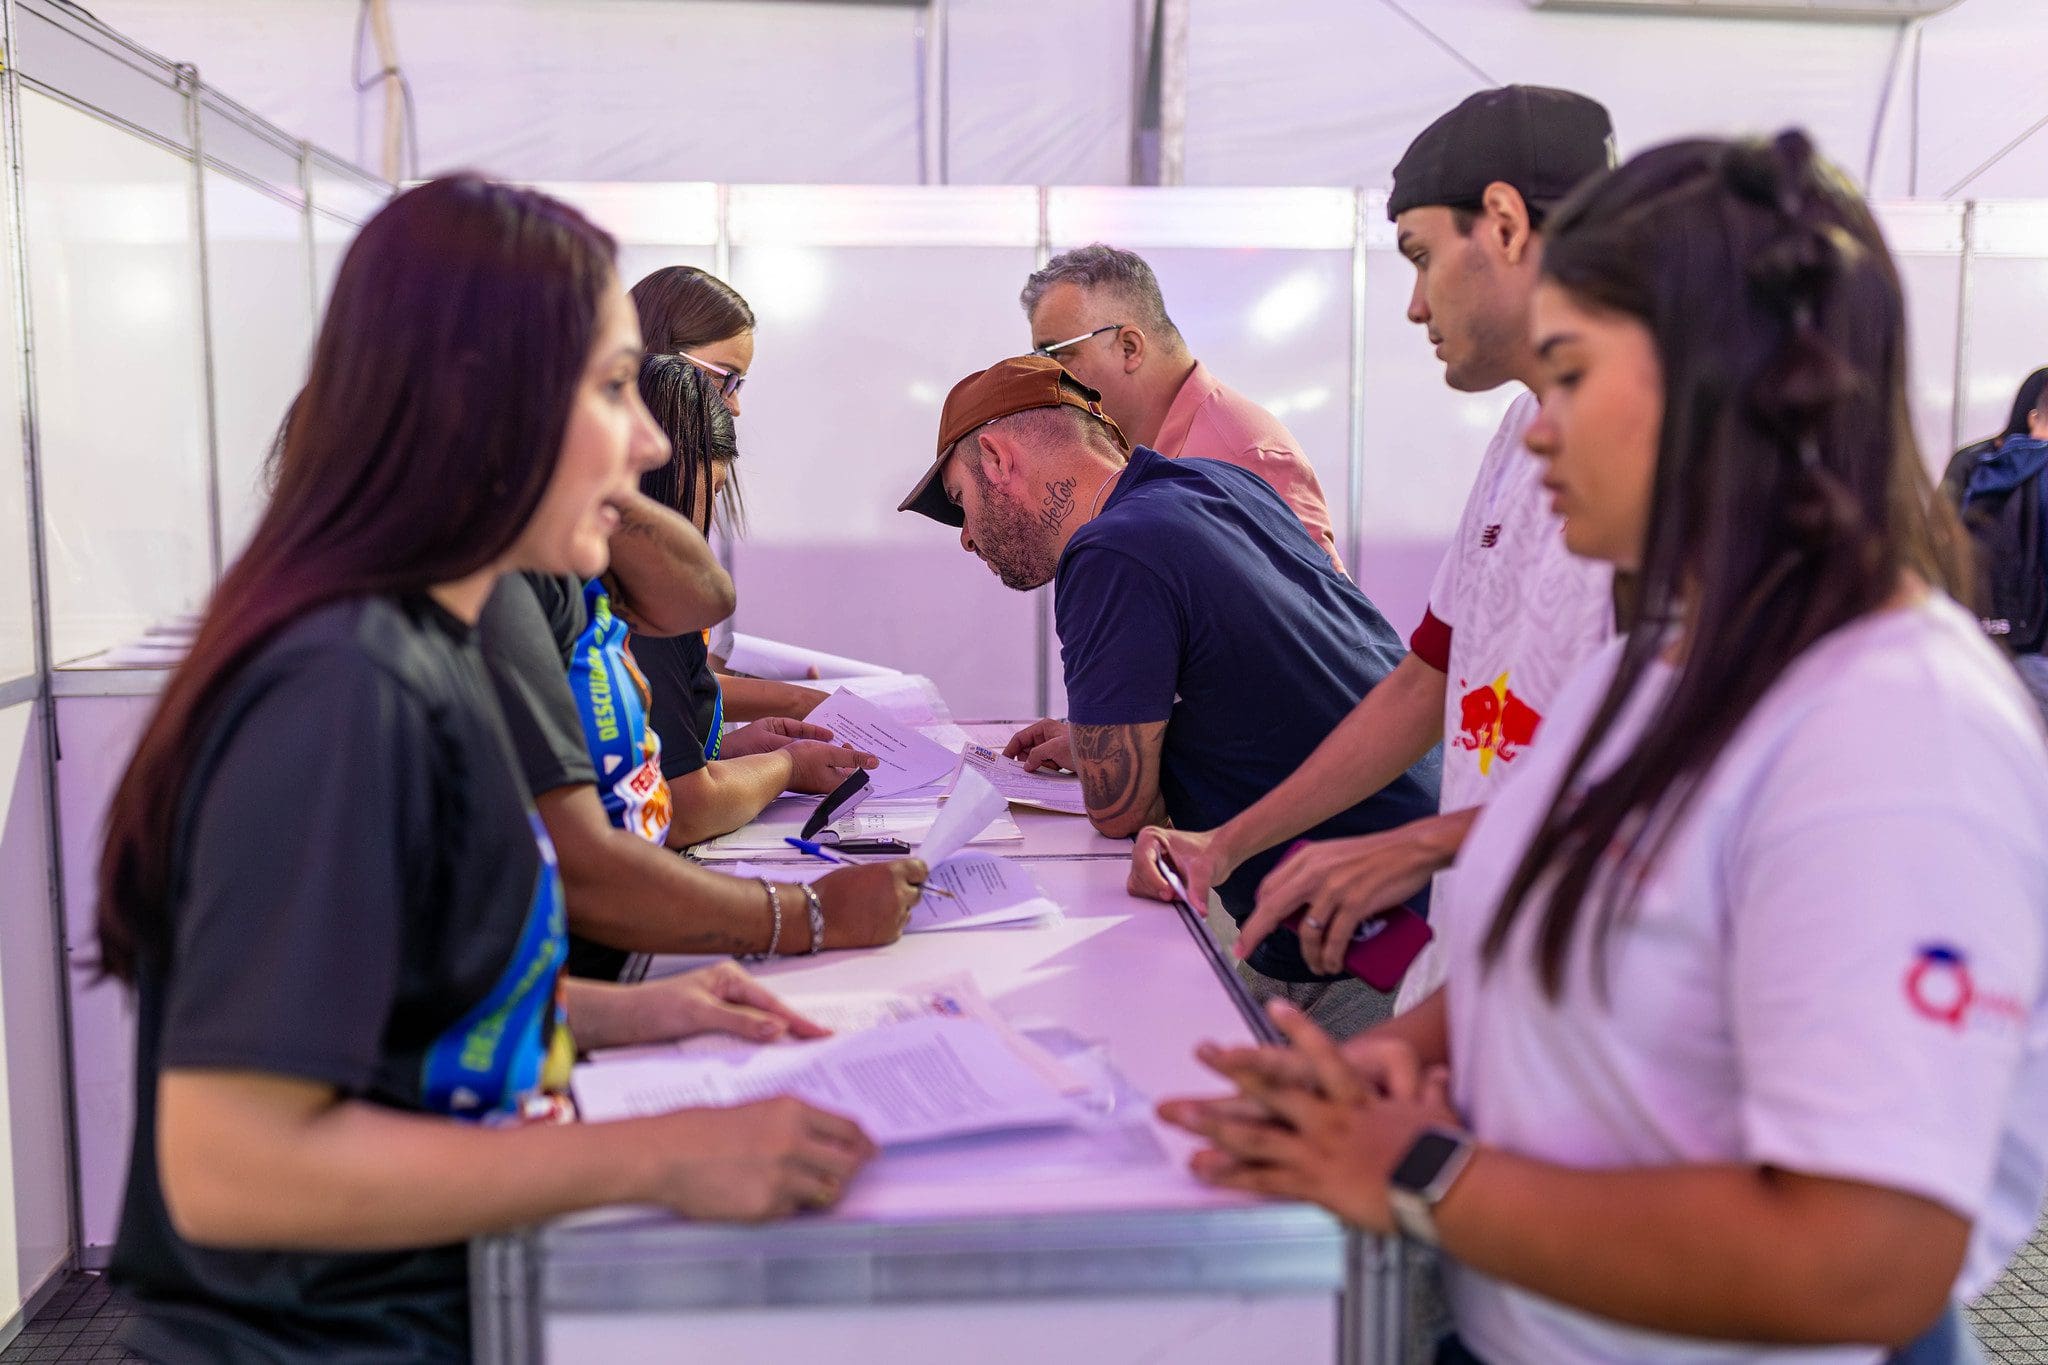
[1196, 598]
[527, 631]
[528, 626]
[366, 902]
[685, 709]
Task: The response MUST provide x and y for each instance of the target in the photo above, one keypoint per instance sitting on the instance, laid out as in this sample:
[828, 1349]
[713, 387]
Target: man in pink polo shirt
[1098, 311]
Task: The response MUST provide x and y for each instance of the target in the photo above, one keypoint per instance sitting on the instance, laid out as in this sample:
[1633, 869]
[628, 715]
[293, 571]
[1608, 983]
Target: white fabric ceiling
[1280, 92]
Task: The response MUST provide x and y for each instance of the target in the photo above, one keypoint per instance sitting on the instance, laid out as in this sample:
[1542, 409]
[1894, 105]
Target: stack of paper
[912, 1080]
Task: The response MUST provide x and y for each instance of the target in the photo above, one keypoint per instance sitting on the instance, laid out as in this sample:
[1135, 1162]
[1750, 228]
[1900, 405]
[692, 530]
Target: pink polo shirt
[1211, 421]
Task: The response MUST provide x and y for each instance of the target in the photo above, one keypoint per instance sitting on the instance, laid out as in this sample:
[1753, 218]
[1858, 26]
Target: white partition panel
[1927, 242]
[656, 225]
[262, 319]
[17, 602]
[858, 344]
[118, 375]
[331, 237]
[2006, 338]
[35, 1179]
[98, 735]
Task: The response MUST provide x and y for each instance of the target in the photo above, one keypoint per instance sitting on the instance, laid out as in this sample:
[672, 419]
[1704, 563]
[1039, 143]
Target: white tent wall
[739, 90]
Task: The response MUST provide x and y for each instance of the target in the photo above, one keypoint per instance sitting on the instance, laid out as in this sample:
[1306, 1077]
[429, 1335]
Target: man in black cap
[1511, 612]
[1168, 575]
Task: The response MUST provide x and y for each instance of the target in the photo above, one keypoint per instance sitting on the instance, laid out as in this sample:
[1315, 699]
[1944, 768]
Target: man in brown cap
[1168, 575]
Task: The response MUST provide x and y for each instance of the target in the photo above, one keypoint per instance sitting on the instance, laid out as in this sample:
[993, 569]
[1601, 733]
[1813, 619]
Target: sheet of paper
[908, 1082]
[954, 996]
[906, 697]
[983, 890]
[1045, 789]
[971, 808]
[908, 759]
[765, 658]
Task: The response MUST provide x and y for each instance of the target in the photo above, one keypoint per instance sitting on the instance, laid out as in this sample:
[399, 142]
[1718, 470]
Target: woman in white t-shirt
[1743, 1054]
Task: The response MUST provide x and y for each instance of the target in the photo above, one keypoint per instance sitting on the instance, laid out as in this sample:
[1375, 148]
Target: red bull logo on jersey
[1940, 986]
[1495, 723]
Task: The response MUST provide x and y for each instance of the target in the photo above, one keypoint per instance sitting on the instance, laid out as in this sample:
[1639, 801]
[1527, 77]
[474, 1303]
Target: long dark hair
[699, 427]
[2023, 405]
[1789, 495]
[428, 428]
[682, 308]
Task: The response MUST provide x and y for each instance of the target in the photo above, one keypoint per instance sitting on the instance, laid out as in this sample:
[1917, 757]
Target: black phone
[886, 843]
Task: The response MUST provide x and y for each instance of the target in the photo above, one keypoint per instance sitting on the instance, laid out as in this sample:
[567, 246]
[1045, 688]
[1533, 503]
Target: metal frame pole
[1043, 605]
[1354, 510]
[39, 587]
[195, 116]
[1964, 285]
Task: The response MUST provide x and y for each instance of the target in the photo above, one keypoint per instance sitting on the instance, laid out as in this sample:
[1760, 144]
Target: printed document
[909, 760]
[1045, 789]
[912, 1081]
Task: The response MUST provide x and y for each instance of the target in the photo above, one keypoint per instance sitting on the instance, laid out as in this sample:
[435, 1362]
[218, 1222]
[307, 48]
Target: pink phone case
[1384, 947]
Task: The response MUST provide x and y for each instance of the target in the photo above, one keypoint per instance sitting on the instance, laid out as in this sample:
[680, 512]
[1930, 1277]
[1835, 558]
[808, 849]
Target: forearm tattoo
[1116, 780]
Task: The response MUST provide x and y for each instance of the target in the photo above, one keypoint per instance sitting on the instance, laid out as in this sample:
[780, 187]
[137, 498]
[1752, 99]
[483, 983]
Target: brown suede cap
[1004, 389]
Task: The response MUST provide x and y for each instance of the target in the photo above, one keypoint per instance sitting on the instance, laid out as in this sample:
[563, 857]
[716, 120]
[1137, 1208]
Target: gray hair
[1119, 272]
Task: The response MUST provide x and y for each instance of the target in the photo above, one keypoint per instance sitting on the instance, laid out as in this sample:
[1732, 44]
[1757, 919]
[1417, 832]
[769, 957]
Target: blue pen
[809, 849]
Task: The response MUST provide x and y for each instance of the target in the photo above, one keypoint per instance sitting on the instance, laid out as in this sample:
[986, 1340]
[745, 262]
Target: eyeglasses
[729, 381]
[1052, 352]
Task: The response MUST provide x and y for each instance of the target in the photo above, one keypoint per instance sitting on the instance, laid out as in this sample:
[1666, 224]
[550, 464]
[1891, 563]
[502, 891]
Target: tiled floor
[79, 1321]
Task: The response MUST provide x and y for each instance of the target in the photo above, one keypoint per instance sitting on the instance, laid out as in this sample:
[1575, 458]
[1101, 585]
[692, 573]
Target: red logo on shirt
[1940, 986]
[1495, 723]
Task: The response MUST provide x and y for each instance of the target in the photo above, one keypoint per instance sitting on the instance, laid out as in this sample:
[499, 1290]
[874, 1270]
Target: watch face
[1423, 1161]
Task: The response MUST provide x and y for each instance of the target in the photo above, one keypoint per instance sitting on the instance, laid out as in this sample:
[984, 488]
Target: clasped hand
[1313, 1121]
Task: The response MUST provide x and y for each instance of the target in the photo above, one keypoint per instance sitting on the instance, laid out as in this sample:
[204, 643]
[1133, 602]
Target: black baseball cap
[1542, 141]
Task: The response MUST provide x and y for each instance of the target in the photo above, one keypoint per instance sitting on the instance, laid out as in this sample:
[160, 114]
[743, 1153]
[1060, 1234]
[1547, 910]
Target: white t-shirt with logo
[1512, 614]
[1838, 966]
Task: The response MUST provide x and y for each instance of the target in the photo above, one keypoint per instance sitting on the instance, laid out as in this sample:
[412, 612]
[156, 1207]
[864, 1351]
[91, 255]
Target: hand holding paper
[909, 760]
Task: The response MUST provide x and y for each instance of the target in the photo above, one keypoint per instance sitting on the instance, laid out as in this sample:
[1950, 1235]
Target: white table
[1005, 1251]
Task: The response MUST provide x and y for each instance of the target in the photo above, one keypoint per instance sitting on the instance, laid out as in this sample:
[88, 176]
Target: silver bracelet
[817, 915]
[775, 934]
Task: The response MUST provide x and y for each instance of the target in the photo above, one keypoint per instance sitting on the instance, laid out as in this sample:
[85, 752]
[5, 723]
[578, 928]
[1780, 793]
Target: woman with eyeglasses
[693, 314]
[1743, 1054]
[340, 915]
[718, 780]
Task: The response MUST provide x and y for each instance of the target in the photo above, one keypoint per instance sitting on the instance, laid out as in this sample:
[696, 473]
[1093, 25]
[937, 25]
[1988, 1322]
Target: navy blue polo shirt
[1196, 598]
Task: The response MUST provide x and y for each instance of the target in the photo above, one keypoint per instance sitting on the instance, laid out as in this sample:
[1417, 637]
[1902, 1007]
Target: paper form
[1044, 789]
[985, 890]
[908, 759]
[954, 996]
[907, 1082]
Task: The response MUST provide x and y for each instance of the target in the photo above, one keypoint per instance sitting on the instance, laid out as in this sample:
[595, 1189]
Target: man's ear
[1504, 216]
[999, 458]
[1131, 346]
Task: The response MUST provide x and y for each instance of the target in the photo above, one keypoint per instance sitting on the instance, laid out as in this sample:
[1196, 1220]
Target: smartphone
[885, 843]
[1383, 947]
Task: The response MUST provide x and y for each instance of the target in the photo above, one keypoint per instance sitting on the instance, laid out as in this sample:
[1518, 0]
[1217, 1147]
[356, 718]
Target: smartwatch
[1421, 1179]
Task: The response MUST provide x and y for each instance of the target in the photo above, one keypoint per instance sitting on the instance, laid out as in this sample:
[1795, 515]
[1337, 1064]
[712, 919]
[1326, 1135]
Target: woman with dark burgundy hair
[341, 918]
[1743, 1053]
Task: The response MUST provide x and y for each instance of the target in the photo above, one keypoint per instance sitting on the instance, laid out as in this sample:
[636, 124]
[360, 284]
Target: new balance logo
[1490, 537]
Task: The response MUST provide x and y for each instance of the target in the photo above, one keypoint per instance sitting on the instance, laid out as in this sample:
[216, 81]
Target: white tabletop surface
[1117, 972]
